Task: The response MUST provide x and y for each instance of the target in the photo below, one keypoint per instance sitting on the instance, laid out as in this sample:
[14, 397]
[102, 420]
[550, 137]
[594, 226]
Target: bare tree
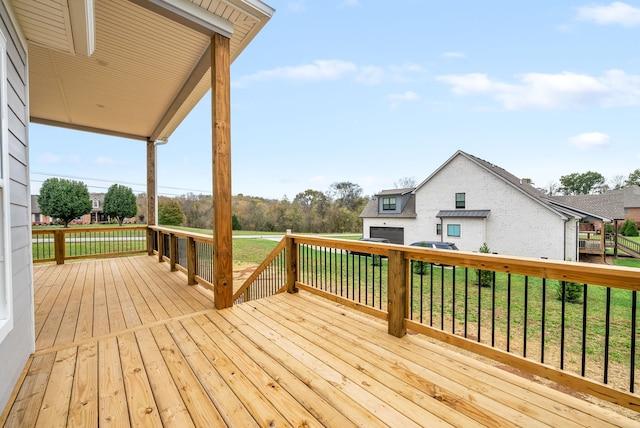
[405, 183]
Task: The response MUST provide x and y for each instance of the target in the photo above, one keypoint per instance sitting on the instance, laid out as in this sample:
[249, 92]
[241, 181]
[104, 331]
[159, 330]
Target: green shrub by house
[572, 291]
[629, 228]
[485, 277]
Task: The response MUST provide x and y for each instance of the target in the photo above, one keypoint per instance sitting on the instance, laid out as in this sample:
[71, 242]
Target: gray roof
[608, 205]
[371, 209]
[463, 213]
[630, 194]
[402, 191]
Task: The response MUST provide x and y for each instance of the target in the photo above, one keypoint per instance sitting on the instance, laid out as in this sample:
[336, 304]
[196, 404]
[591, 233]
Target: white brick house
[469, 201]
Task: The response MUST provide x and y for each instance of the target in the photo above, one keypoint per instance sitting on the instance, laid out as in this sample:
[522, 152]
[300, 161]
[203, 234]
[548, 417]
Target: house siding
[517, 225]
[19, 344]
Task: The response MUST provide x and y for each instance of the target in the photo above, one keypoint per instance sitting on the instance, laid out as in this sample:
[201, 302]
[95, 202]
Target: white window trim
[6, 297]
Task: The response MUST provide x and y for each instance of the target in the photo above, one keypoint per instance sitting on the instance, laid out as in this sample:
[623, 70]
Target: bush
[608, 228]
[420, 268]
[572, 291]
[485, 277]
[629, 228]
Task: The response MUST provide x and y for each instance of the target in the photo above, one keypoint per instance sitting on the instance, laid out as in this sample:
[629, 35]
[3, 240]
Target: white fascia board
[253, 7]
[83, 28]
[195, 14]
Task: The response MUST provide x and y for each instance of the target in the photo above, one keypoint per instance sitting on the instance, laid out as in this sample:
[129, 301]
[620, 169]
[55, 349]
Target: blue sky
[374, 91]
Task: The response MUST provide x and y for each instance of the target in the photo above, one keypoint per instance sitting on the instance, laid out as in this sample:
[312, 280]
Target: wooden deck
[123, 342]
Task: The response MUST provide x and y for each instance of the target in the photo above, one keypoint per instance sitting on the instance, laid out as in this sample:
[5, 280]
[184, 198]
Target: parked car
[422, 267]
[436, 244]
[379, 240]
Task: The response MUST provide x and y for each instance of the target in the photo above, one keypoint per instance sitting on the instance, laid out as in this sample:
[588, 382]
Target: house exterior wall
[19, 343]
[517, 225]
[632, 214]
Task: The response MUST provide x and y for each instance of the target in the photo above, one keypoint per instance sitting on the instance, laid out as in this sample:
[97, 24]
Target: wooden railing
[62, 244]
[517, 311]
[629, 246]
[191, 253]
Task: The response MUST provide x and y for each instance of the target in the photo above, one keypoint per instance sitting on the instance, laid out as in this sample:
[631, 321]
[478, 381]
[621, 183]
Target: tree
[629, 228]
[405, 183]
[617, 182]
[633, 179]
[120, 203]
[64, 199]
[170, 214]
[347, 194]
[582, 184]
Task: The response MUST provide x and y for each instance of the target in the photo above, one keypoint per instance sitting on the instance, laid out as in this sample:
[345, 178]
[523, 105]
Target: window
[438, 228]
[6, 299]
[453, 230]
[460, 200]
[96, 203]
[388, 204]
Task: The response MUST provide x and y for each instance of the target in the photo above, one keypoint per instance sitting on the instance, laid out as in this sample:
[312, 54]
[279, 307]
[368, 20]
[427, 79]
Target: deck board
[125, 342]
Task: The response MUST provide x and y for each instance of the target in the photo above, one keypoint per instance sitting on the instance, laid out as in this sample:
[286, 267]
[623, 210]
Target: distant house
[95, 216]
[609, 205]
[630, 202]
[37, 218]
[469, 201]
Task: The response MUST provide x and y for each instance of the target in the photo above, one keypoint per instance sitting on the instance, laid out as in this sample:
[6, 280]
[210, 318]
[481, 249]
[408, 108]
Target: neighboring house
[37, 218]
[95, 216]
[631, 202]
[469, 201]
[609, 205]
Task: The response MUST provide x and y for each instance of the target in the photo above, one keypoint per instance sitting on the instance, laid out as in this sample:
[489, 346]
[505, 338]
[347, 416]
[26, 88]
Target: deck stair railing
[571, 323]
[628, 246]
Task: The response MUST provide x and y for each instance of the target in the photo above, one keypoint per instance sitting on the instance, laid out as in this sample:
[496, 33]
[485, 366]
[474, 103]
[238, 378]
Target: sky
[372, 92]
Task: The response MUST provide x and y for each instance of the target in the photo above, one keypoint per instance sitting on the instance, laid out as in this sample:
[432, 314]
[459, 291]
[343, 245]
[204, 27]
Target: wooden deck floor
[123, 342]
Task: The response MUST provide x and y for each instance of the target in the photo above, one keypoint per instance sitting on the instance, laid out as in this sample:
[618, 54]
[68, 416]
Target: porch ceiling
[150, 66]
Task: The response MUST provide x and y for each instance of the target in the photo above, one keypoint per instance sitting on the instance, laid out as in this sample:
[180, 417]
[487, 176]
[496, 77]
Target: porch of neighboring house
[126, 341]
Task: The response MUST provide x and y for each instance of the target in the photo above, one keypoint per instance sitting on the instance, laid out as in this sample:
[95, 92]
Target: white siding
[517, 224]
[19, 344]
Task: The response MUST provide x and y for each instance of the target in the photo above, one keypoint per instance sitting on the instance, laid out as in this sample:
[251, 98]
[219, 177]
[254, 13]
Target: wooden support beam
[291, 250]
[59, 246]
[221, 153]
[151, 193]
[191, 261]
[397, 298]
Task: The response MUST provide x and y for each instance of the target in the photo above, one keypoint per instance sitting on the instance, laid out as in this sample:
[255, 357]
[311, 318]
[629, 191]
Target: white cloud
[371, 75]
[316, 71]
[406, 96]
[589, 140]
[454, 55]
[49, 158]
[616, 13]
[102, 160]
[551, 91]
[333, 69]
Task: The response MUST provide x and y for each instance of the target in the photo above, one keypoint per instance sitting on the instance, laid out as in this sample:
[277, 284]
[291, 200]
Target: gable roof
[129, 68]
[370, 210]
[630, 195]
[509, 179]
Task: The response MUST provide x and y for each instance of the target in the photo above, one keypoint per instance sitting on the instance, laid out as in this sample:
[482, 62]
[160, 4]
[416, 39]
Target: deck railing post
[59, 246]
[150, 240]
[173, 252]
[160, 246]
[397, 298]
[291, 250]
[191, 261]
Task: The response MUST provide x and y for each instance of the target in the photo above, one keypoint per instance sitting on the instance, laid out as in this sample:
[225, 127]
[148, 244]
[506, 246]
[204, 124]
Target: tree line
[589, 183]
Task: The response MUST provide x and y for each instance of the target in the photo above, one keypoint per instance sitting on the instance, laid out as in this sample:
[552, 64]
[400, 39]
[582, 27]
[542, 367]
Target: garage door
[395, 235]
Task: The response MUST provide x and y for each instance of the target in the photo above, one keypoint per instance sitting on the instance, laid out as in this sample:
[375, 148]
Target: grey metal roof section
[463, 213]
[608, 206]
[371, 209]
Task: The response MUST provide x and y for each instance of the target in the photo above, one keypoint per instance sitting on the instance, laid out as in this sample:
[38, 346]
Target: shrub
[608, 228]
[572, 291]
[485, 277]
[420, 268]
[629, 228]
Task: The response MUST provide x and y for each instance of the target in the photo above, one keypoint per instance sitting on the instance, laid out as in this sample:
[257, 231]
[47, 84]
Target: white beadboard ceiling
[148, 66]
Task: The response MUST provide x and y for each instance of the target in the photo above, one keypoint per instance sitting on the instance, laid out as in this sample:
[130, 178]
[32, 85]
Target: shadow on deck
[124, 341]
